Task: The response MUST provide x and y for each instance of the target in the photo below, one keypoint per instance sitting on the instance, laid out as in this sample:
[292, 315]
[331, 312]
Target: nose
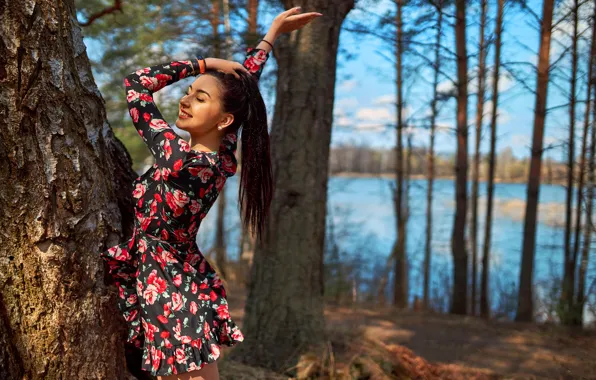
[184, 101]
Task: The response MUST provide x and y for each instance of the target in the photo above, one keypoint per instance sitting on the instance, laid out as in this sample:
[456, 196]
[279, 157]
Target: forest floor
[382, 343]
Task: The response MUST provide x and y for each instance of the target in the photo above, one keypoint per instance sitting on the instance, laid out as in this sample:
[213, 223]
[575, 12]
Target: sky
[365, 86]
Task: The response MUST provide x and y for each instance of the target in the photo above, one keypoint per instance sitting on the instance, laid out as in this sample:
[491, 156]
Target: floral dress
[171, 298]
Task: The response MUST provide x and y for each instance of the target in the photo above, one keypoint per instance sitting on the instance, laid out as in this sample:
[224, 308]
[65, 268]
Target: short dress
[171, 298]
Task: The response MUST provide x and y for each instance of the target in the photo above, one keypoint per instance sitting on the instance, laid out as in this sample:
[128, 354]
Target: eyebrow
[203, 91]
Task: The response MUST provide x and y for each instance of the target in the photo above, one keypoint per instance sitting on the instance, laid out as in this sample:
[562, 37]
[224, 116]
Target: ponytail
[242, 98]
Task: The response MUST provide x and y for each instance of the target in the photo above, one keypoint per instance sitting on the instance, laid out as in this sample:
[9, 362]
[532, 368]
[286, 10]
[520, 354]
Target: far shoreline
[449, 177]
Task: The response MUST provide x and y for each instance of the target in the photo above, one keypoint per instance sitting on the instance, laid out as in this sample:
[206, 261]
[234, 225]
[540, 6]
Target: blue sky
[365, 88]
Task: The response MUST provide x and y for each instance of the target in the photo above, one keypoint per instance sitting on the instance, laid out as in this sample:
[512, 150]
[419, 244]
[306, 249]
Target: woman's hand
[228, 67]
[291, 20]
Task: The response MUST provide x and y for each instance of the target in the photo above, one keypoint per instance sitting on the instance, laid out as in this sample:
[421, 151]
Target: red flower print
[158, 124]
[146, 116]
[157, 197]
[194, 288]
[223, 311]
[206, 328]
[142, 245]
[204, 286]
[145, 70]
[167, 309]
[126, 82]
[194, 207]
[169, 135]
[194, 307]
[167, 149]
[237, 335]
[119, 253]
[132, 299]
[149, 82]
[150, 294]
[153, 208]
[213, 296]
[184, 146]
[159, 282]
[165, 334]
[204, 173]
[132, 315]
[196, 343]
[178, 165]
[162, 319]
[176, 200]
[156, 175]
[188, 268]
[146, 97]
[178, 280]
[180, 356]
[203, 297]
[215, 351]
[131, 96]
[165, 173]
[134, 113]
[185, 339]
[177, 301]
[139, 190]
[164, 235]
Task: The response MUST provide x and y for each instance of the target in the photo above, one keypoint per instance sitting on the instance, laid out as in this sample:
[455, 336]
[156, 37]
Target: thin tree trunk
[492, 164]
[458, 238]
[253, 9]
[431, 159]
[400, 291]
[285, 296]
[66, 181]
[220, 231]
[567, 290]
[479, 117]
[525, 300]
[583, 265]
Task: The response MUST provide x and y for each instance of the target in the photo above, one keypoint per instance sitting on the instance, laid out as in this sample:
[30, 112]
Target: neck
[206, 143]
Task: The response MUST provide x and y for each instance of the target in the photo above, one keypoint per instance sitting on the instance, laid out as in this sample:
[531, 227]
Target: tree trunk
[583, 265]
[458, 238]
[525, 300]
[492, 164]
[431, 159]
[285, 296]
[479, 118]
[253, 11]
[567, 290]
[400, 291]
[67, 181]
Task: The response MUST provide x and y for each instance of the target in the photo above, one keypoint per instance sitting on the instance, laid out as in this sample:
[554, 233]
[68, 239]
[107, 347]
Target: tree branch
[117, 7]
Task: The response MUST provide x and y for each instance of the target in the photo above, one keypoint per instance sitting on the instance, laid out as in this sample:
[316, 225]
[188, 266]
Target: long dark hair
[242, 98]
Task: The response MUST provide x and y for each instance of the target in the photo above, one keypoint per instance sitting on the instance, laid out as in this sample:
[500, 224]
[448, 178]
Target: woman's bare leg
[208, 372]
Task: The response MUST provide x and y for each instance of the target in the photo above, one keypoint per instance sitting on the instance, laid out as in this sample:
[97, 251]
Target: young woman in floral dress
[172, 299]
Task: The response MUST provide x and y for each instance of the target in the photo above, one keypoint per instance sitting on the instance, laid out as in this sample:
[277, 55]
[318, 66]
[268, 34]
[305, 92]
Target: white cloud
[348, 85]
[346, 103]
[388, 99]
[372, 114]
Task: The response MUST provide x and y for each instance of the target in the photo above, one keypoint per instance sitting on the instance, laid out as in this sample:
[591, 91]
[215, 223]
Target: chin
[180, 125]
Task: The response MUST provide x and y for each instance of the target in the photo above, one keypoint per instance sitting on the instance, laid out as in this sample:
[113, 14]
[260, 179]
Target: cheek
[205, 114]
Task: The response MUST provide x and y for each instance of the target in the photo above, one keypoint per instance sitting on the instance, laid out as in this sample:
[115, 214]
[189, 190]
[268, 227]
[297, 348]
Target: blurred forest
[436, 252]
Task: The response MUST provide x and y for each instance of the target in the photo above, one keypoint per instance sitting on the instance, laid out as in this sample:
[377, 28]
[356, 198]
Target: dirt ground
[444, 345]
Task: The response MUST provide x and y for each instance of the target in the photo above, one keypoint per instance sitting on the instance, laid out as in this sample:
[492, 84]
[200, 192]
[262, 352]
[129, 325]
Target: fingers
[292, 11]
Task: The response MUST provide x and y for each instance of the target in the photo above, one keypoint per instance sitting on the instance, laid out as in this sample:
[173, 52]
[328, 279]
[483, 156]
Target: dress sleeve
[168, 148]
[254, 62]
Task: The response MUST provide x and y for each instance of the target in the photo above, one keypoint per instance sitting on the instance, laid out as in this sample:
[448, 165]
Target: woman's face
[200, 110]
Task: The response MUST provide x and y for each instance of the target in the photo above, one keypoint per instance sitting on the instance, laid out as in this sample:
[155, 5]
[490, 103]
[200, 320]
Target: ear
[225, 121]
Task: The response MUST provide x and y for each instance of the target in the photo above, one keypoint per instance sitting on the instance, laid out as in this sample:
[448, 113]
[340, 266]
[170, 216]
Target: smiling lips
[184, 115]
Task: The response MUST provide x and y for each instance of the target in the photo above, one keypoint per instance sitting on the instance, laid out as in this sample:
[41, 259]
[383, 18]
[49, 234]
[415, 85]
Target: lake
[363, 210]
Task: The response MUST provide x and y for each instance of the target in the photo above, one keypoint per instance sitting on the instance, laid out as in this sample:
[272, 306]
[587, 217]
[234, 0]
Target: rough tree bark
[285, 296]
[67, 182]
[400, 289]
[525, 299]
[431, 158]
[458, 238]
[492, 164]
[479, 117]
[570, 260]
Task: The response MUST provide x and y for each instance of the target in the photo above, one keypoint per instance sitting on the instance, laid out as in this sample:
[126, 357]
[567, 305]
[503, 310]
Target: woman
[172, 299]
